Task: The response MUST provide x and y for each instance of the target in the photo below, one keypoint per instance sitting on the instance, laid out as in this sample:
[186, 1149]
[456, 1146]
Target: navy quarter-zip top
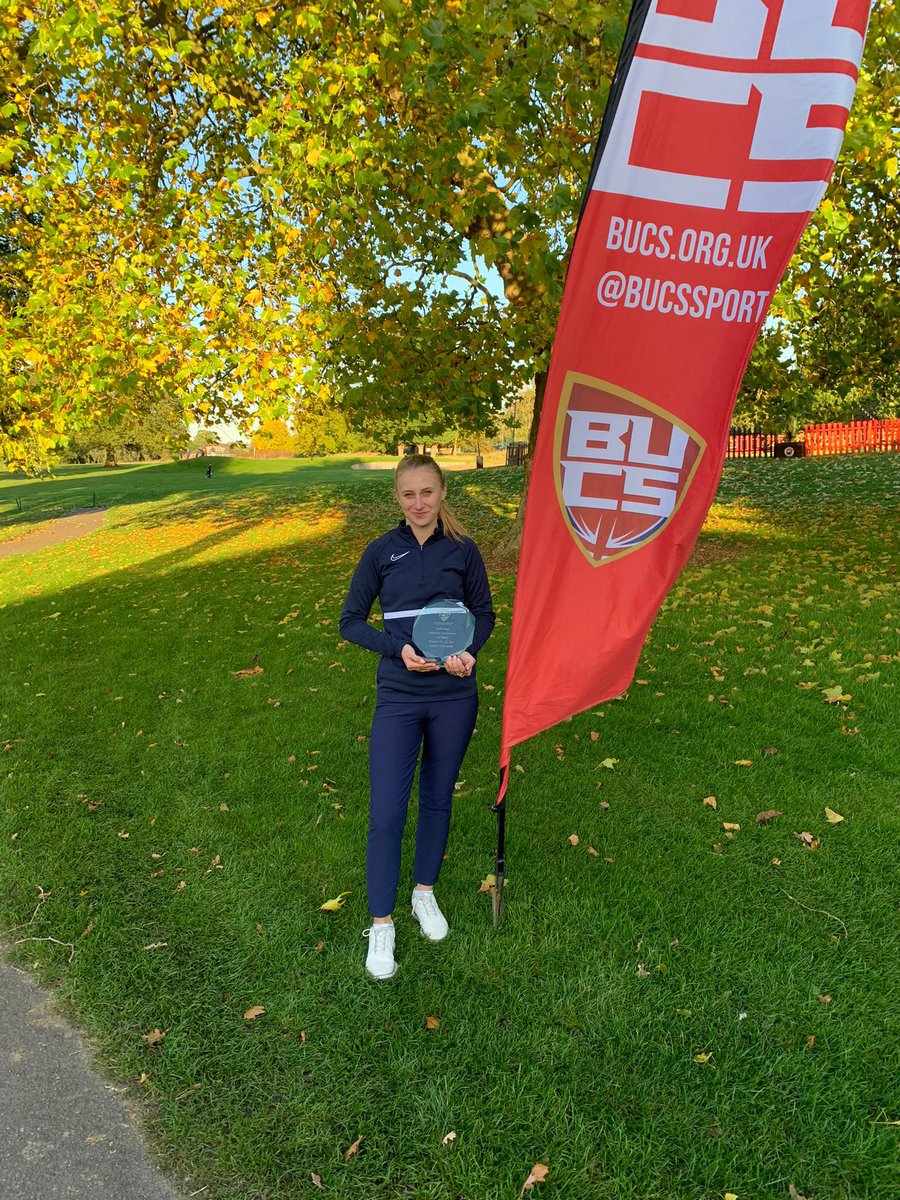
[404, 576]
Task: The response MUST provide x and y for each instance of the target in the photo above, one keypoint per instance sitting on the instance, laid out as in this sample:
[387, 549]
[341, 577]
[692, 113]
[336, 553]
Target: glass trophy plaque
[442, 628]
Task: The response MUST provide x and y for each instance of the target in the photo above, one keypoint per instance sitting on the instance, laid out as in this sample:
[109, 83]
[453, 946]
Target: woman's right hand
[415, 662]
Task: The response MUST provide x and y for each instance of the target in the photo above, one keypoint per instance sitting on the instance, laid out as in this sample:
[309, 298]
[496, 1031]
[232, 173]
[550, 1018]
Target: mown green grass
[26, 502]
[570, 1034]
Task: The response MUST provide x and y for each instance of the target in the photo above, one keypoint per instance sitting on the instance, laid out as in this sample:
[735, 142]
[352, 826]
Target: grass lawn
[669, 1010]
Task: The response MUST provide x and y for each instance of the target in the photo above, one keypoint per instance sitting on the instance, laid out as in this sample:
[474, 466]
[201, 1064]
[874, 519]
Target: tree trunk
[110, 457]
[505, 554]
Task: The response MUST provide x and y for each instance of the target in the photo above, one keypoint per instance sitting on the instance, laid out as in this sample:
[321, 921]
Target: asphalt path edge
[65, 1133]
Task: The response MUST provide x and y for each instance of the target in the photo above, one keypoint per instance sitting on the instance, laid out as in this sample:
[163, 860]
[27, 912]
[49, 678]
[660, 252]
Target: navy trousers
[442, 730]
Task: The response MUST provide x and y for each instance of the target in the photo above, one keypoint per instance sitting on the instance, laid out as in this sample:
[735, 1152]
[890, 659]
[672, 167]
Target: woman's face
[419, 493]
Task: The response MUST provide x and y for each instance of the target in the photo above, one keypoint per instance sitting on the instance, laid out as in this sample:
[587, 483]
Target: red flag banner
[724, 122]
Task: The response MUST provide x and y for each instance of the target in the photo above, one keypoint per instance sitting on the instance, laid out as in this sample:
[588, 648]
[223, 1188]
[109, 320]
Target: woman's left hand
[460, 664]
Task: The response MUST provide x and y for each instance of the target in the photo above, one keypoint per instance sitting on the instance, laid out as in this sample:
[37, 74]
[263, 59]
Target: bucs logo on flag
[623, 467]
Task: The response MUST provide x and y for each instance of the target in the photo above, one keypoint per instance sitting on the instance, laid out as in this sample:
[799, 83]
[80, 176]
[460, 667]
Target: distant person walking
[419, 705]
[209, 471]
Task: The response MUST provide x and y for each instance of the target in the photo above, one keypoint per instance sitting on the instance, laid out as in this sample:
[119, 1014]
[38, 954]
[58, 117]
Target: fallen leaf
[252, 1013]
[769, 815]
[573, 839]
[319, 947]
[743, 762]
[247, 672]
[807, 839]
[154, 1037]
[824, 998]
[316, 1181]
[488, 884]
[731, 825]
[771, 750]
[156, 946]
[835, 695]
[144, 1077]
[810, 1041]
[335, 904]
[448, 1138]
[538, 1175]
[711, 802]
[730, 1196]
[642, 972]
[594, 735]
[432, 1022]
[348, 1154]
[291, 616]
[704, 1057]
[123, 834]
[776, 862]
[609, 763]
[794, 1194]
[593, 853]
[832, 817]
[520, 768]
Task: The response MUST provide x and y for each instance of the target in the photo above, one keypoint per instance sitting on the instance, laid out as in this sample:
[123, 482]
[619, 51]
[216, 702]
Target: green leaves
[398, 186]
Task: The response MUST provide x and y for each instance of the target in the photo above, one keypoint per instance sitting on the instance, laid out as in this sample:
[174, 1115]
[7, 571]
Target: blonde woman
[420, 706]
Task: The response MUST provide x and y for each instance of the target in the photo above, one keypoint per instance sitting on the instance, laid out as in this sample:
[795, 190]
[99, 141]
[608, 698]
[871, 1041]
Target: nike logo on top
[394, 557]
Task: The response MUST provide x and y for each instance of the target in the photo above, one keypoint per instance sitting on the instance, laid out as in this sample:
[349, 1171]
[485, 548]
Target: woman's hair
[452, 527]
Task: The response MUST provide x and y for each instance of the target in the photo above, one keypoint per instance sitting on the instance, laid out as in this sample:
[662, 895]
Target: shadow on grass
[139, 483]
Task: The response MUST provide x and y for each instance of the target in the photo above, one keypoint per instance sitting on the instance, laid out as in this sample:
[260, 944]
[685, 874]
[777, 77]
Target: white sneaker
[380, 959]
[431, 920]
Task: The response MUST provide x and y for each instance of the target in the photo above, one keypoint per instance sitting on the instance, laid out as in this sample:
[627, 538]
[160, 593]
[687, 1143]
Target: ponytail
[451, 525]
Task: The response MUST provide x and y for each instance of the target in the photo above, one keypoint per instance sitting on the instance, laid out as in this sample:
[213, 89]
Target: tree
[155, 430]
[274, 437]
[322, 429]
[518, 416]
[238, 202]
[443, 151]
[157, 258]
[201, 438]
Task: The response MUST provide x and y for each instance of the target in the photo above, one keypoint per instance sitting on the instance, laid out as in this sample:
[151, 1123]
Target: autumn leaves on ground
[694, 988]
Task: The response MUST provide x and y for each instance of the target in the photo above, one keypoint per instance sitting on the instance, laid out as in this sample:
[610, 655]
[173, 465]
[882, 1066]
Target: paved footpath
[64, 1134]
[62, 529]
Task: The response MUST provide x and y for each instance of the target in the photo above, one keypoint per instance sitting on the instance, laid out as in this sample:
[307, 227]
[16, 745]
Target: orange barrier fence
[852, 437]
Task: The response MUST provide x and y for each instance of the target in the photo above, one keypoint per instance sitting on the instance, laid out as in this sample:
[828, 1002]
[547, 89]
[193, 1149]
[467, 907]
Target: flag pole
[500, 861]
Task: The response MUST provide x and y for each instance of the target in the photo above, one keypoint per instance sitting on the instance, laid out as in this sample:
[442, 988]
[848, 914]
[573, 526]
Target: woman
[419, 704]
